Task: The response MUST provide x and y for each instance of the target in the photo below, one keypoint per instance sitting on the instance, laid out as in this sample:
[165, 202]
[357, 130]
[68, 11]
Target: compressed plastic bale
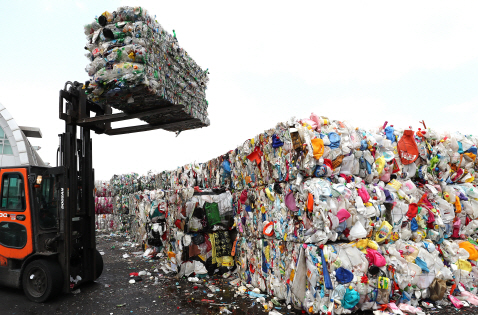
[137, 66]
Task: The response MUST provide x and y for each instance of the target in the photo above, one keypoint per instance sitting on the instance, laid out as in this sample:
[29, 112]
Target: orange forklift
[47, 214]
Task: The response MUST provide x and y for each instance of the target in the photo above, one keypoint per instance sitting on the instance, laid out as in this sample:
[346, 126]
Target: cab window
[47, 197]
[13, 235]
[13, 192]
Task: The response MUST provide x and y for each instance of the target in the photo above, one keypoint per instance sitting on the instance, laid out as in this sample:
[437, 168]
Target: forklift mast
[77, 246]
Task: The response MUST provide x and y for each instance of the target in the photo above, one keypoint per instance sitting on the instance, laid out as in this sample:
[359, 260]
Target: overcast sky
[361, 61]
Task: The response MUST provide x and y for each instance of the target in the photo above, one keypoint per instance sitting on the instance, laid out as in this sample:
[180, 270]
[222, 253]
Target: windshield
[47, 199]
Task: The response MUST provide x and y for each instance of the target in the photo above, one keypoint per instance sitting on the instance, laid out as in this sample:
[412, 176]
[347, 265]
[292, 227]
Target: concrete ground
[112, 294]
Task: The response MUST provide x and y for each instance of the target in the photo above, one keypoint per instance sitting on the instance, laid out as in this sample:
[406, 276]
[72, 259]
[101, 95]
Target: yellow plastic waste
[384, 232]
[463, 265]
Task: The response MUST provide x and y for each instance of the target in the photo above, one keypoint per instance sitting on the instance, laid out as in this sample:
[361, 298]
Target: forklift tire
[41, 280]
[99, 264]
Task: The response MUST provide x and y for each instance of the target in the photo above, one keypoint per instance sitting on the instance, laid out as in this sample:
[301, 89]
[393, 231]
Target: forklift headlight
[39, 179]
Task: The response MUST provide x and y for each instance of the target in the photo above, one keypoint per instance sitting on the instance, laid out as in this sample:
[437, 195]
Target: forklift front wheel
[42, 279]
[99, 264]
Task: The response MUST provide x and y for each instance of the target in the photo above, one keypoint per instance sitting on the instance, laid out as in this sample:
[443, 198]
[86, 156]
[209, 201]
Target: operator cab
[34, 254]
[29, 224]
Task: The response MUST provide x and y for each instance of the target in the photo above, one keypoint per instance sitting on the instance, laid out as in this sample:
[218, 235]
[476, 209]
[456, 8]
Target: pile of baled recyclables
[327, 217]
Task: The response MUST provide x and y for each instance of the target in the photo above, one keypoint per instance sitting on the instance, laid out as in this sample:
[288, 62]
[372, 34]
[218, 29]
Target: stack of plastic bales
[388, 191]
[137, 66]
[333, 218]
[125, 184]
[148, 219]
[104, 216]
[200, 231]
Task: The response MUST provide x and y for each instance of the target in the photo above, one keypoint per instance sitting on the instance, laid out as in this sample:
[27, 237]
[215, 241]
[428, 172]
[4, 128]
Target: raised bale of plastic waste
[135, 66]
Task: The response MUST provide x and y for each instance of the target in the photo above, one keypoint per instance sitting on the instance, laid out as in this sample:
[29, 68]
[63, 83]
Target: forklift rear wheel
[42, 279]
[99, 264]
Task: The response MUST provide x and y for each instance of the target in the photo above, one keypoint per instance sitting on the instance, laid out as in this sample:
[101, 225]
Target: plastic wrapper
[137, 66]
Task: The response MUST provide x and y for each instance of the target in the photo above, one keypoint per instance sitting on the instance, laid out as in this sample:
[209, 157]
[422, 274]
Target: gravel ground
[112, 294]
